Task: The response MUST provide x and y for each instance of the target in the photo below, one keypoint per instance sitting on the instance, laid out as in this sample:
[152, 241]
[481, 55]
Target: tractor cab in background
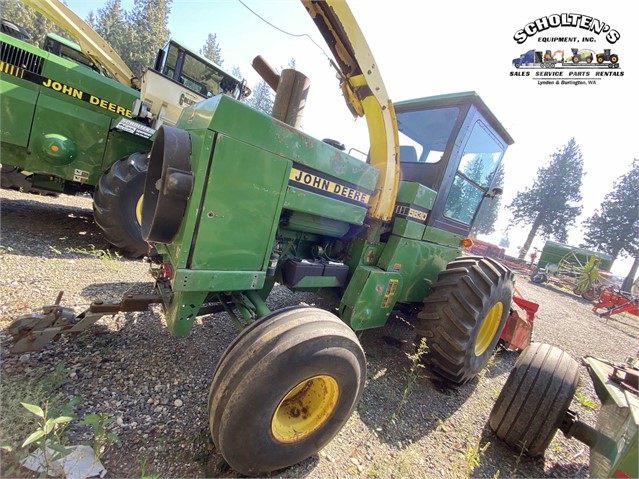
[69, 50]
[180, 78]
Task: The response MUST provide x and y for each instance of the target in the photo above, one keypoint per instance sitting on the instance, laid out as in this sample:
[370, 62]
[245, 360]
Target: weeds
[102, 254]
[144, 474]
[491, 361]
[48, 434]
[473, 454]
[103, 439]
[42, 416]
[586, 402]
[35, 387]
[416, 365]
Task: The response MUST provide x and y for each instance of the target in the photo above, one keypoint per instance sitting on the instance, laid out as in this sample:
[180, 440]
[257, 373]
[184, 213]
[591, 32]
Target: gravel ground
[156, 385]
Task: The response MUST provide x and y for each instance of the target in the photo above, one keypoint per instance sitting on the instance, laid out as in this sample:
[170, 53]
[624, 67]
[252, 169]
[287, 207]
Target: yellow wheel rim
[305, 409]
[488, 328]
[138, 210]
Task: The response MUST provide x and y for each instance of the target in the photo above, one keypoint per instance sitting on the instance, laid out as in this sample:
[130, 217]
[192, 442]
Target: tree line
[136, 35]
[551, 207]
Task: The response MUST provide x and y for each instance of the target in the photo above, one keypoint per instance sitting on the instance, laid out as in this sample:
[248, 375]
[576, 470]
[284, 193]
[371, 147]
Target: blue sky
[427, 48]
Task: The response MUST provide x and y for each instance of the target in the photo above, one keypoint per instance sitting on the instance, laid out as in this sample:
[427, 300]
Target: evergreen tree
[262, 98]
[109, 22]
[614, 226]
[489, 209]
[292, 63]
[236, 72]
[549, 205]
[212, 49]
[36, 24]
[148, 28]
[137, 35]
[91, 19]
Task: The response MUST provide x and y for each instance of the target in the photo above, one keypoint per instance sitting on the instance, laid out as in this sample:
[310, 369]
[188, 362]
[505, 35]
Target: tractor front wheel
[117, 204]
[463, 317]
[284, 388]
[535, 398]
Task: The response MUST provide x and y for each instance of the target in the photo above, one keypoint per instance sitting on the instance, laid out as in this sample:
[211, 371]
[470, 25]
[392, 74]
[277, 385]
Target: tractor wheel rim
[304, 409]
[488, 328]
[138, 210]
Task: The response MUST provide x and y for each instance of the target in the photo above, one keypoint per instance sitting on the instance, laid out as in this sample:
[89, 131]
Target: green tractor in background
[236, 201]
[76, 123]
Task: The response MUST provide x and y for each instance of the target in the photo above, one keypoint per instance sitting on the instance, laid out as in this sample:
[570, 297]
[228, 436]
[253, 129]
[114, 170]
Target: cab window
[480, 159]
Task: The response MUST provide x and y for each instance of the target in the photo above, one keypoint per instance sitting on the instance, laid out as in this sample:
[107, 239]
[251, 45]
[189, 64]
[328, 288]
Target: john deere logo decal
[567, 49]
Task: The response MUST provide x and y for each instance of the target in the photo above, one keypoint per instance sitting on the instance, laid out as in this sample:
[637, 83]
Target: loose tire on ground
[464, 316]
[284, 388]
[539, 278]
[535, 398]
[117, 204]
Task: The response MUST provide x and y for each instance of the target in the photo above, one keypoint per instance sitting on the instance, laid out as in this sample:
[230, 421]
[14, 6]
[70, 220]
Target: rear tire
[284, 388]
[117, 204]
[535, 398]
[463, 317]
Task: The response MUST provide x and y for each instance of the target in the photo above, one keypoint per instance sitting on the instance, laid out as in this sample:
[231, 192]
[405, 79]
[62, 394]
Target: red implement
[517, 333]
[615, 302]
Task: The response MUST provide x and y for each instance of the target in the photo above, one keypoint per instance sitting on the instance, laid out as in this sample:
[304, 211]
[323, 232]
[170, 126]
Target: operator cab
[180, 78]
[196, 72]
[64, 48]
[13, 29]
[454, 145]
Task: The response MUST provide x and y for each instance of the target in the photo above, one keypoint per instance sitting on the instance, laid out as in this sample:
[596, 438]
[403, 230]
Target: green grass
[111, 259]
[473, 453]
[35, 387]
[586, 402]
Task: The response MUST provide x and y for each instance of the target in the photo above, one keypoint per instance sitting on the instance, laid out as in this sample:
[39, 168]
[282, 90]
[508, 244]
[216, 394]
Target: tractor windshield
[195, 72]
[479, 161]
[424, 134]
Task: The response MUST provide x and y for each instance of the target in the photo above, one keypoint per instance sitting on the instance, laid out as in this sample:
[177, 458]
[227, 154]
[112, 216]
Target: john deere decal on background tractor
[235, 201]
[68, 128]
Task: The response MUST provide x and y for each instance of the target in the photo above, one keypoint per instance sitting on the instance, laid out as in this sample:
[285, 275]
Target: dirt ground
[155, 386]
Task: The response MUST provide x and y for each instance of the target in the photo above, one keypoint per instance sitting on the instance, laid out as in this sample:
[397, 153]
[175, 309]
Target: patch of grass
[491, 361]
[414, 372]
[34, 387]
[112, 259]
[144, 473]
[473, 453]
[409, 457]
[586, 402]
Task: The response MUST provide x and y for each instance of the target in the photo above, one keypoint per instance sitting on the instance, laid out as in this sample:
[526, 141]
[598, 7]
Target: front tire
[117, 204]
[535, 398]
[284, 388]
[464, 316]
